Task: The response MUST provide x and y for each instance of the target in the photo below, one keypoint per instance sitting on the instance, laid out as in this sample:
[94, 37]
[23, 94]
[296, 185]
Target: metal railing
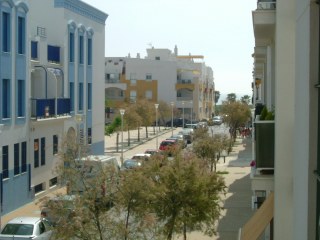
[46, 108]
[271, 5]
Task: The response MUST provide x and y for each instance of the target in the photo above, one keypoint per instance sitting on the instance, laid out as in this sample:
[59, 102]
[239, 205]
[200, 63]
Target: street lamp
[191, 111]
[172, 103]
[122, 111]
[156, 106]
[79, 120]
[182, 114]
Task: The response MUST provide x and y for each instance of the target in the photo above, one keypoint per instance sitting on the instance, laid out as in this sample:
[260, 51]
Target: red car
[167, 145]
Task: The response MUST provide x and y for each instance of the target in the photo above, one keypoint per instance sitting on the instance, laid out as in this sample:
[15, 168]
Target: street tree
[246, 99]
[231, 97]
[164, 111]
[132, 120]
[114, 127]
[186, 196]
[146, 110]
[235, 115]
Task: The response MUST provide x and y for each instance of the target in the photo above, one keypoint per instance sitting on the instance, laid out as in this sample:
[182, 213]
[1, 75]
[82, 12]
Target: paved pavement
[236, 203]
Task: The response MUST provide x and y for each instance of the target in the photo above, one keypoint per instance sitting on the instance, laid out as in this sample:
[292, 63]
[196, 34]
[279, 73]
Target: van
[91, 170]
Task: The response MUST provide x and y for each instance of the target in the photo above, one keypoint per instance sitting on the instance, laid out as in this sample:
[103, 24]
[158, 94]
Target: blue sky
[221, 30]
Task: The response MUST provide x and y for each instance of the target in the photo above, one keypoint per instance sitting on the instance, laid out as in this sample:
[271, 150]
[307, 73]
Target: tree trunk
[184, 231]
[171, 227]
[154, 130]
[127, 222]
[146, 131]
[139, 134]
[128, 137]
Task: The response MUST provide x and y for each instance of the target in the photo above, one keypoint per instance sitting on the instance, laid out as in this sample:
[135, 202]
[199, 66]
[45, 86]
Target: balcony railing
[184, 98]
[184, 81]
[46, 108]
[114, 80]
[271, 5]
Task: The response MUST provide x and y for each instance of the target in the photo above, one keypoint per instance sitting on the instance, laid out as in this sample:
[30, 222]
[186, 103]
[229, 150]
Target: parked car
[217, 120]
[141, 157]
[166, 144]
[177, 122]
[180, 138]
[151, 151]
[130, 164]
[187, 134]
[24, 228]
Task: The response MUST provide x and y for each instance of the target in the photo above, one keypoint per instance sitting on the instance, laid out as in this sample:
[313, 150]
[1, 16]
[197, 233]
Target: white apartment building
[163, 76]
[286, 76]
[52, 64]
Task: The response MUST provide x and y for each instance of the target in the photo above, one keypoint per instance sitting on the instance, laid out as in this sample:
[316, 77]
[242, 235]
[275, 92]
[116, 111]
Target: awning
[259, 221]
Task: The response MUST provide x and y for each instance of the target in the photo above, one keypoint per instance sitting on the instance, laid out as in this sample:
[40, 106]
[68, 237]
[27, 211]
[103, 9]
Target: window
[16, 159]
[89, 135]
[148, 76]
[34, 50]
[43, 151]
[5, 32]
[81, 49]
[5, 161]
[149, 94]
[36, 152]
[71, 47]
[23, 157]
[133, 78]
[55, 144]
[21, 35]
[71, 94]
[157, 58]
[89, 51]
[133, 95]
[6, 98]
[89, 96]
[53, 54]
[21, 98]
[80, 104]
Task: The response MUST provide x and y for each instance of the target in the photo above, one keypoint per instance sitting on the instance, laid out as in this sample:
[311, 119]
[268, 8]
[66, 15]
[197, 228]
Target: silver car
[26, 228]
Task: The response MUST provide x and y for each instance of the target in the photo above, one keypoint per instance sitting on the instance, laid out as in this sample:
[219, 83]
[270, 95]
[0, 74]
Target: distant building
[161, 76]
[51, 67]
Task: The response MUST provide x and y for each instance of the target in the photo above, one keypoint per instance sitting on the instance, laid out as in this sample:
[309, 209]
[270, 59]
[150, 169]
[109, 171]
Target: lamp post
[122, 111]
[172, 103]
[182, 114]
[191, 111]
[79, 120]
[156, 106]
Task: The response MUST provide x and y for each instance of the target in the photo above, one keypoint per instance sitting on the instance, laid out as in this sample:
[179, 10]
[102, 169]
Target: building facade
[48, 77]
[286, 78]
[162, 76]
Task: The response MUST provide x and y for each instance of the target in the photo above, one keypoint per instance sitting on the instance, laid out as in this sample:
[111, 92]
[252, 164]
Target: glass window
[24, 157]
[89, 96]
[16, 159]
[5, 32]
[53, 54]
[34, 50]
[6, 98]
[21, 98]
[81, 49]
[89, 51]
[36, 152]
[71, 94]
[5, 162]
[71, 47]
[133, 95]
[43, 151]
[55, 144]
[80, 104]
[21, 35]
[149, 94]
[148, 76]
[89, 135]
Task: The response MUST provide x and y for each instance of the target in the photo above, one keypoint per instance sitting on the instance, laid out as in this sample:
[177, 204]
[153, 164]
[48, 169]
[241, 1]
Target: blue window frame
[16, 158]
[23, 157]
[81, 44]
[89, 96]
[34, 50]
[21, 35]
[43, 151]
[5, 161]
[71, 47]
[6, 98]
[80, 105]
[71, 95]
[6, 31]
[21, 98]
[53, 54]
[36, 152]
[89, 51]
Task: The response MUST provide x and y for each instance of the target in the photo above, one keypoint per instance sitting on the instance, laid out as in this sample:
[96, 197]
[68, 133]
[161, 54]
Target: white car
[141, 156]
[26, 228]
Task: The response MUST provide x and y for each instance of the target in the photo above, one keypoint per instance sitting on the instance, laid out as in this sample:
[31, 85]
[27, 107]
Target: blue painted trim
[83, 9]
[23, 6]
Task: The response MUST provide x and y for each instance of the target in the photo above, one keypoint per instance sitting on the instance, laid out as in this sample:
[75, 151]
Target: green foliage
[231, 97]
[114, 126]
[264, 113]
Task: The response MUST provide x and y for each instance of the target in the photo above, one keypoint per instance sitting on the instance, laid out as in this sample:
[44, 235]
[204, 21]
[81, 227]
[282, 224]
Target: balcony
[184, 84]
[264, 19]
[50, 108]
